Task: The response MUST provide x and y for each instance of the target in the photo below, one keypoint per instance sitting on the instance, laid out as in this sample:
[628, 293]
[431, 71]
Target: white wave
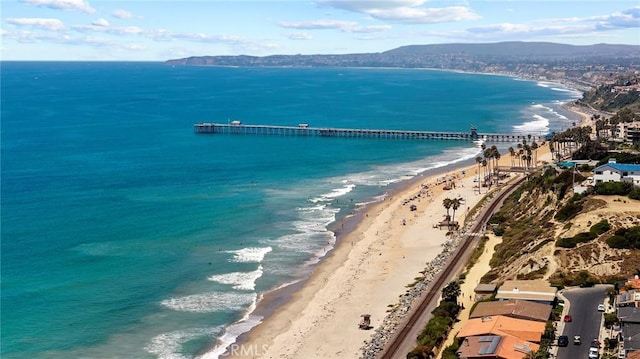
[210, 302]
[544, 84]
[335, 193]
[232, 332]
[538, 125]
[169, 345]
[250, 254]
[239, 280]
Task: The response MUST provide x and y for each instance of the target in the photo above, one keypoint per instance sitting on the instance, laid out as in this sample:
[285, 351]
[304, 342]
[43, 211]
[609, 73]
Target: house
[617, 172]
[629, 293]
[629, 298]
[630, 131]
[629, 318]
[484, 291]
[495, 346]
[520, 309]
[526, 330]
[533, 290]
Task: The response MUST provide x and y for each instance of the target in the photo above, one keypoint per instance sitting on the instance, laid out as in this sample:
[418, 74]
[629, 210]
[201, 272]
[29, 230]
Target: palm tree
[534, 147]
[512, 152]
[455, 204]
[479, 162]
[484, 164]
[447, 204]
[495, 154]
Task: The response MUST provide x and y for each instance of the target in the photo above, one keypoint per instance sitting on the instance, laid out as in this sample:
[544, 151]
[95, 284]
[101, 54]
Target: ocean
[126, 235]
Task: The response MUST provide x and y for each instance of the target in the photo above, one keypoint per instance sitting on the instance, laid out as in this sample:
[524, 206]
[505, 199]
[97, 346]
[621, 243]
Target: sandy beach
[369, 270]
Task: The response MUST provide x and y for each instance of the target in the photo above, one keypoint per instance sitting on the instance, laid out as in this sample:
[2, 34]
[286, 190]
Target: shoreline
[282, 331]
[293, 299]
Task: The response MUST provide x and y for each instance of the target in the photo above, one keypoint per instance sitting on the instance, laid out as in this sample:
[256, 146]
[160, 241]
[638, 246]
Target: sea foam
[169, 345]
[250, 254]
[210, 302]
[239, 280]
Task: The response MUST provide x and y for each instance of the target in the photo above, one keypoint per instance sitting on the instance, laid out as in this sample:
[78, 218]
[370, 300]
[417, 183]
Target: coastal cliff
[548, 232]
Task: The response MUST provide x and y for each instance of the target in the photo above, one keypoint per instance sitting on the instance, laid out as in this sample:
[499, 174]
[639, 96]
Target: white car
[593, 353]
[601, 307]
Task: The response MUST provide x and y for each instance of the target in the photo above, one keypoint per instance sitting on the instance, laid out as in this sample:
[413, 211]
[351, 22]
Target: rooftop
[513, 308]
[527, 330]
[527, 290]
[624, 167]
[505, 346]
[485, 287]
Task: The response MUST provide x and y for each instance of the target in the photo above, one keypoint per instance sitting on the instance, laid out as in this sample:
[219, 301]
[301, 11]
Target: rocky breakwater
[374, 347]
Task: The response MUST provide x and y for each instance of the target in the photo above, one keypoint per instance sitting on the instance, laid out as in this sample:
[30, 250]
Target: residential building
[629, 131]
[520, 309]
[533, 290]
[484, 291]
[495, 346]
[617, 172]
[629, 318]
[526, 330]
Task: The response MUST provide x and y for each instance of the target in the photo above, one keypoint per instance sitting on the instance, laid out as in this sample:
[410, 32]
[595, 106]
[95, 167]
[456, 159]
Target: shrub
[568, 211]
[499, 231]
[600, 227]
[584, 237]
[635, 194]
[628, 238]
[565, 243]
[610, 319]
[613, 188]
[498, 218]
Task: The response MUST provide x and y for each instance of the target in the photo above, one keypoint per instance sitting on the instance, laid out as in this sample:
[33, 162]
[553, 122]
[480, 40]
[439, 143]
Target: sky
[158, 30]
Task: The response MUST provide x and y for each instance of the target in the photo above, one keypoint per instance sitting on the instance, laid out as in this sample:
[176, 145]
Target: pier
[238, 128]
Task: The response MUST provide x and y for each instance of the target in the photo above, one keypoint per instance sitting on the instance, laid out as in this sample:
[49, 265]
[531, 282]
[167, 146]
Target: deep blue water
[126, 235]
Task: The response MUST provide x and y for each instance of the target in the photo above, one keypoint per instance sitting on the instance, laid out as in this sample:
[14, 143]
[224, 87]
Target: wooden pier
[237, 128]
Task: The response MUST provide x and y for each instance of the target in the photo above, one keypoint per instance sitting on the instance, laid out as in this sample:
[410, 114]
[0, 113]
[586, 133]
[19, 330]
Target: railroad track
[391, 350]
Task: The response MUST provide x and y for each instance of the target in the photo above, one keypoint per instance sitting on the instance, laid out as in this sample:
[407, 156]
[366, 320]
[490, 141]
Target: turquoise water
[126, 235]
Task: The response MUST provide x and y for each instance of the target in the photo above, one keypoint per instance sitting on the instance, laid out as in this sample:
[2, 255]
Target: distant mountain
[519, 49]
[582, 66]
[438, 55]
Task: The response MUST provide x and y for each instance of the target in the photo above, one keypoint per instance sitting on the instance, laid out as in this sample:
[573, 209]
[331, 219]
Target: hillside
[549, 233]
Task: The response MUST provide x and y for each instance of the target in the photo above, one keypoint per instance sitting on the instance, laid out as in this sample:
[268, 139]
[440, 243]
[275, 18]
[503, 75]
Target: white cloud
[300, 36]
[425, 16]
[104, 27]
[101, 23]
[122, 14]
[365, 6]
[404, 11]
[370, 29]
[79, 5]
[344, 26]
[39, 23]
[318, 24]
[554, 27]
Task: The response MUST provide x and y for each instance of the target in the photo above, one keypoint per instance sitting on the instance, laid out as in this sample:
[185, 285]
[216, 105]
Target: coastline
[304, 318]
[300, 320]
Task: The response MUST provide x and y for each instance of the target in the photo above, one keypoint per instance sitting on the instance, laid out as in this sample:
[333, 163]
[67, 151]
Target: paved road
[583, 304]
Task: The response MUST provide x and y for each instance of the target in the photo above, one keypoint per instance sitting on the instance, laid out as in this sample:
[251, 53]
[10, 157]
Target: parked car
[601, 307]
[577, 340]
[567, 318]
[594, 353]
[563, 341]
